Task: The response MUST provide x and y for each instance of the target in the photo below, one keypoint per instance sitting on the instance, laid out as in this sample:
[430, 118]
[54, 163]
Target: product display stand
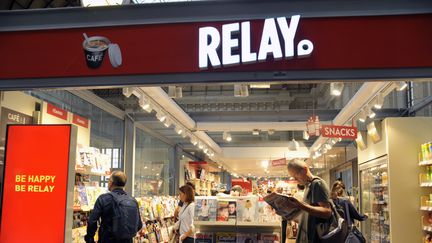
[425, 163]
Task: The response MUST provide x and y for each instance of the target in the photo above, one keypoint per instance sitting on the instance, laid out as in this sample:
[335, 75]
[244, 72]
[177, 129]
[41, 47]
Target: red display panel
[339, 132]
[365, 42]
[35, 183]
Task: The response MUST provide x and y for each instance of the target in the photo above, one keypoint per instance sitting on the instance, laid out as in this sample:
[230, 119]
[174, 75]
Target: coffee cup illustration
[95, 48]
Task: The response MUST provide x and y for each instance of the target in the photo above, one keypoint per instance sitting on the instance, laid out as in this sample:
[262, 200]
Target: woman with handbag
[350, 212]
[185, 223]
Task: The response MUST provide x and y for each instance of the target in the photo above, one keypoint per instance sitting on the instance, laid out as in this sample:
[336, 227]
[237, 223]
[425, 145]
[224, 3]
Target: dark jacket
[104, 209]
[354, 214]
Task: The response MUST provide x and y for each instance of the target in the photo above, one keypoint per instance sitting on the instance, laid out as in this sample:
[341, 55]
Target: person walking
[185, 223]
[109, 207]
[316, 205]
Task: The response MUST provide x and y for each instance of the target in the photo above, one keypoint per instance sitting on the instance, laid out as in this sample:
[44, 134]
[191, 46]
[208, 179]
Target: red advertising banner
[345, 132]
[55, 111]
[35, 183]
[79, 120]
[364, 42]
[279, 162]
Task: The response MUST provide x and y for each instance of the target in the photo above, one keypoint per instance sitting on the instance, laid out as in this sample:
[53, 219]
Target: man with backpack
[119, 214]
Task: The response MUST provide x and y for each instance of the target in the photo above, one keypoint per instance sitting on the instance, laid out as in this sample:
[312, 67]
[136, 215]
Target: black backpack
[126, 216]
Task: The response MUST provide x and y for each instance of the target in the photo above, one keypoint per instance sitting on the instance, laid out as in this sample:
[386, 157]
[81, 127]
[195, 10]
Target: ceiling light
[145, 167]
[327, 146]
[175, 92]
[336, 88]
[160, 116]
[271, 131]
[127, 92]
[339, 139]
[293, 145]
[260, 86]
[255, 132]
[167, 122]
[220, 167]
[241, 90]
[371, 114]
[200, 145]
[205, 150]
[362, 116]
[249, 174]
[227, 136]
[178, 129]
[194, 141]
[401, 85]
[305, 135]
[379, 101]
[145, 104]
[265, 163]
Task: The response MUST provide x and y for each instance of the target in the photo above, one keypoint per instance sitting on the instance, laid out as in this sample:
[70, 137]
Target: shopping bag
[333, 230]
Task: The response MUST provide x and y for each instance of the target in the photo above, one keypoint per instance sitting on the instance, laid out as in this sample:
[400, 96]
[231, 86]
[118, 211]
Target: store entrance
[216, 136]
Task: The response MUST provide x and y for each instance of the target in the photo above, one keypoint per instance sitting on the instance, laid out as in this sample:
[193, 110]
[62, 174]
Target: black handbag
[333, 230]
[354, 235]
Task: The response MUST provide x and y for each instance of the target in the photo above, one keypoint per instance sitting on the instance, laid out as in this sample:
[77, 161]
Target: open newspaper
[280, 203]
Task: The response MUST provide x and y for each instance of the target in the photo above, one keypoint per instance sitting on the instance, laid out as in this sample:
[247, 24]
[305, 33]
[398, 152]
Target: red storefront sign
[57, 112]
[345, 132]
[365, 42]
[35, 183]
[279, 162]
[81, 121]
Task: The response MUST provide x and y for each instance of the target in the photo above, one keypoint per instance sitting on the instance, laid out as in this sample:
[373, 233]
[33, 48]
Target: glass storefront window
[154, 171]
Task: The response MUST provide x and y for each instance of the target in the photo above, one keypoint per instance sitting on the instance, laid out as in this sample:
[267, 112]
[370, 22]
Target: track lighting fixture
[160, 116]
[127, 91]
[144, 103]
[305, 135]
[336, 88]
[401, 85]
[379, 101]
[362, 116]
[227, 136]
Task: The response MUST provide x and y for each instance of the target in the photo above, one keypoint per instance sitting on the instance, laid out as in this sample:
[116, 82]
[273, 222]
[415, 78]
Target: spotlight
[175, 92]
[336, 88]
[178, 129]
[227, 136]
[379, 101]
[200, 145]
[241, 90]
[160, 116]
[362, 116]
[271, 132]
[145, 104]
[255, 132]
[194, 141]
[127, 92]
[327, 146]
[167, 122]
[401, 85]
[260, 86]
[371, 114]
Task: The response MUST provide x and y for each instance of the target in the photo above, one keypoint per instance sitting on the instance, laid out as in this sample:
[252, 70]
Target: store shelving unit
[425, 177]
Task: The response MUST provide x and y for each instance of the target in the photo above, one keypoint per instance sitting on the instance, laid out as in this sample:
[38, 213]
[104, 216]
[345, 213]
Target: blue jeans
[189, 240]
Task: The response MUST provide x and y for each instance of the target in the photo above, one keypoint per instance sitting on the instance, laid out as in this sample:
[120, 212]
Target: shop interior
[221, 135]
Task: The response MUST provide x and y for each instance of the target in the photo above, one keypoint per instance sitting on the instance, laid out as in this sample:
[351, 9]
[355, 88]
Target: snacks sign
[35, 182]
[345, 132]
